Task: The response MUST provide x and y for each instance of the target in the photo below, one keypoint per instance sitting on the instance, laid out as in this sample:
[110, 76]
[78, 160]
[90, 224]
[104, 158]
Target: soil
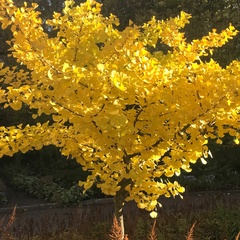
[38, 216]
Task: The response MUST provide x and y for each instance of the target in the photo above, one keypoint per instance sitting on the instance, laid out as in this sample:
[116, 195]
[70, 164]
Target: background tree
[131, 116]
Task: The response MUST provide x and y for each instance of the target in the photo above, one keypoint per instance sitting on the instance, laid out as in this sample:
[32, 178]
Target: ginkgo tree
[131, 116]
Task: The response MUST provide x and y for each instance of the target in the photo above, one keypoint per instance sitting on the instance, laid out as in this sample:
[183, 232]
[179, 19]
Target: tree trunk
[120, 197]
[118, 205]
[119, 200]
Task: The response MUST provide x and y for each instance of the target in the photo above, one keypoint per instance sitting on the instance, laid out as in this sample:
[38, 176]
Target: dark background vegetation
[47, 167]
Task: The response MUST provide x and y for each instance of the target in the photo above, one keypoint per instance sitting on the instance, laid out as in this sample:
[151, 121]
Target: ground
[38, 216]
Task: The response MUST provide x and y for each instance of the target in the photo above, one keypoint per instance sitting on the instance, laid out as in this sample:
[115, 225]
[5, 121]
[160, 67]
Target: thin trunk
[118, 204]
[120, 198]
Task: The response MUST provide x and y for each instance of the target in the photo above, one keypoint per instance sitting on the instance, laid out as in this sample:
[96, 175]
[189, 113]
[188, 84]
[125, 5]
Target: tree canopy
[131, 116]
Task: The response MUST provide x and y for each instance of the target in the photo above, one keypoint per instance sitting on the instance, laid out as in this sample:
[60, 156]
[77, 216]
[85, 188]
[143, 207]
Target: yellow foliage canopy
[132, 115]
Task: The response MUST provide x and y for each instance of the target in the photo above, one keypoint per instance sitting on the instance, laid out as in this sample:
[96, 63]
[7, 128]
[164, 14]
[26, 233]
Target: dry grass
[190, 233]
[116, 231]
[138, 225]
[153, 235]
[5, 228]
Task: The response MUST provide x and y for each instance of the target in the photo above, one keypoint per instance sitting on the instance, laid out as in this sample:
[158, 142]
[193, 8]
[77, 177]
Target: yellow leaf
[65, 66]
[34, 116]
[88, 185]
[120, 86]
[16, 105]
[5, 105]
[195, 66]
[117, 79]
[34, 5]
[5, 24]
[203, 161]
[81, 183]
[130, 22]
[153, 214]
[142, 205]
[100, 67]
[153, 203]
[236, 141]
[50, 74]
[181, 189]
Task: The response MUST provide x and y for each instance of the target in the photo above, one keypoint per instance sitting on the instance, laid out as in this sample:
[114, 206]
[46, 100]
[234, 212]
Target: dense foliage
[132, 116]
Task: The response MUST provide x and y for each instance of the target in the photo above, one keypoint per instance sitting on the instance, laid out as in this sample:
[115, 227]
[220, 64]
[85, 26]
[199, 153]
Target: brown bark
[120, 197]
[118, 204]
[119, 200]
